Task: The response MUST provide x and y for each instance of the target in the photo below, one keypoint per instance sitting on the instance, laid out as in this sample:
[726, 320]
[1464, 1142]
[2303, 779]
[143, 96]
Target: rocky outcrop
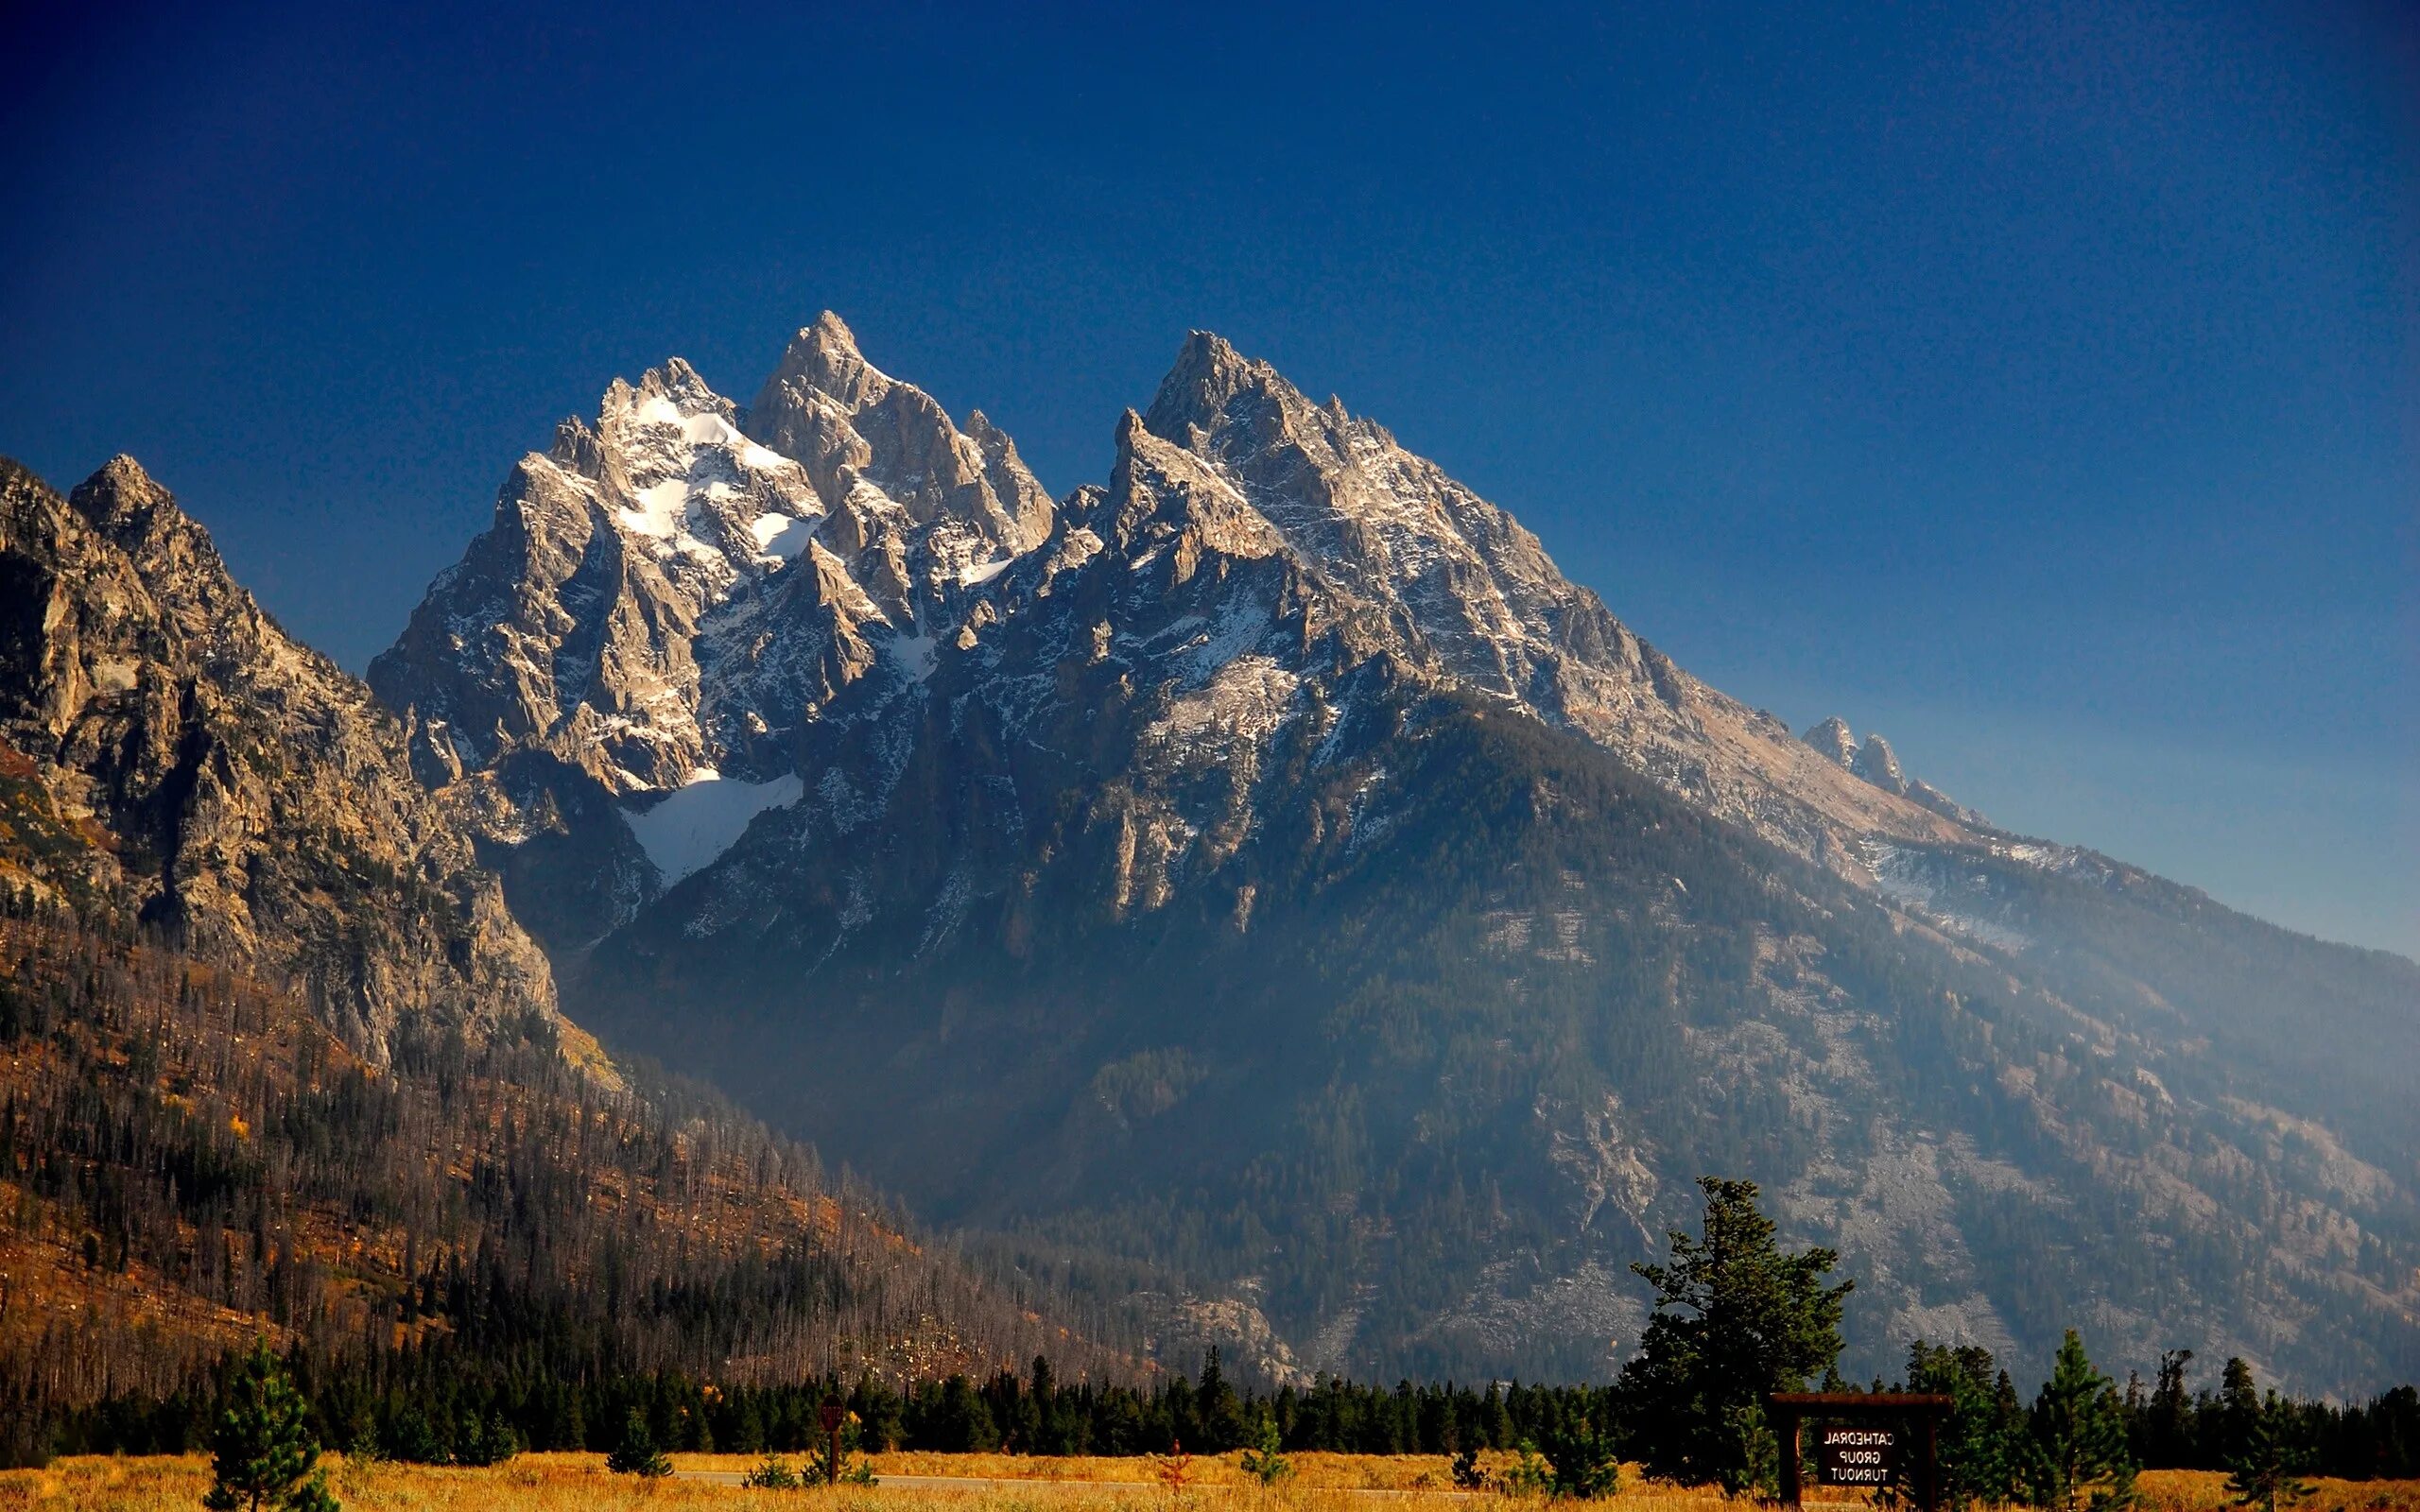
[227, 787]
[1836, 740]
[1877, 765]
[1473, 600]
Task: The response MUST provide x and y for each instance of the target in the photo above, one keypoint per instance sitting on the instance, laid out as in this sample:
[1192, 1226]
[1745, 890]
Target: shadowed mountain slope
[1266, 867]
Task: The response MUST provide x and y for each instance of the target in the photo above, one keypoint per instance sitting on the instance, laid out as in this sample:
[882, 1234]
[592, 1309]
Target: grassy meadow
[1323, 1482]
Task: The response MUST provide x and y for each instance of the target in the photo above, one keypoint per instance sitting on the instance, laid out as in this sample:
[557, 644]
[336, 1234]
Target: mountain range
[275, 1057]
[1259, 893]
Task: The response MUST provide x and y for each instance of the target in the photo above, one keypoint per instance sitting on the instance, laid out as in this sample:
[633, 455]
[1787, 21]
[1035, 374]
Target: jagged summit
[1207, 374]
[131, 509]
[1283, 787]
[118, 489]
[853, 425]
[217, 782]
[823, 358]
[1878, 763]
[1835, 739]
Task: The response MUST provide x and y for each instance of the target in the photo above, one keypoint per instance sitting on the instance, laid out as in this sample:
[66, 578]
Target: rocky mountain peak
[823, 358]
[228, 786]
[674, 380]
[119, 493]
[1835, 739]
[1879, 765]
[1208, 375]
[879, 448]
[125, 505]
[1230, 407]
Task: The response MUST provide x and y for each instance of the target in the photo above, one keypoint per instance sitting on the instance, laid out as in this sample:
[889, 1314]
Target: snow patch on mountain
[698, 822]
[1928, 884]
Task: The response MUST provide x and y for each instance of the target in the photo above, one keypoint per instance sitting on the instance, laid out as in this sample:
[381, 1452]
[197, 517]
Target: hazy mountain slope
[2326, 1027]
[1276, 872]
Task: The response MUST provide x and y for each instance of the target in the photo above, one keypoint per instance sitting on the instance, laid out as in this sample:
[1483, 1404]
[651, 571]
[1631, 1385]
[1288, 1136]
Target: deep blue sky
[2037, 382]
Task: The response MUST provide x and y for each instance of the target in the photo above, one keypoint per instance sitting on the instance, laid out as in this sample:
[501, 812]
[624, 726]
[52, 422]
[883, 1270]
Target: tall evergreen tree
[1219, 1411]
[2167, 1427]
[263, 1458]
[1736, 1317]
[2238, 1403]
[2080, 1459]
[1982, 1442]
[2265, 1469]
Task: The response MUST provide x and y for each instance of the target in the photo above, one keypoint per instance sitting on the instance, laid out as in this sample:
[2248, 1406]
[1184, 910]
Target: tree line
[1738, 1317]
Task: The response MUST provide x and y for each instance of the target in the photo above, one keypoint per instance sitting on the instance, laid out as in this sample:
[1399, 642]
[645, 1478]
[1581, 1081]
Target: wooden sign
[1856, 1454]
[1859, 1436]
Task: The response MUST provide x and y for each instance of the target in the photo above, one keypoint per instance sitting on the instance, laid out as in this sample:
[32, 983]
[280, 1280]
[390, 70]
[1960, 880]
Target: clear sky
[2037, 382]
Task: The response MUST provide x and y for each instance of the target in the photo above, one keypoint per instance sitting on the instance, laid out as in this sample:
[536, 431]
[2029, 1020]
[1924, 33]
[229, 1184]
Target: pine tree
[262, 1455]
[2264, 1469]
[1983, 1440]
[485, 1440]
[1736, 1317]
[2238, 1408]
[2168, 1436]
[1265, 1460]
[1216, 1407]
[636, 1455]
[1581, 1462]
[2081, 1458]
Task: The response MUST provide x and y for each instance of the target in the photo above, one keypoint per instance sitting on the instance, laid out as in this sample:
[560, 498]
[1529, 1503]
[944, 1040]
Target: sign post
[1862, 1438]
[830, 1415]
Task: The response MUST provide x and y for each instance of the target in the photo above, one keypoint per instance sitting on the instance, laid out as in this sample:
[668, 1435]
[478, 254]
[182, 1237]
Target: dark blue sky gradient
[2037, 382]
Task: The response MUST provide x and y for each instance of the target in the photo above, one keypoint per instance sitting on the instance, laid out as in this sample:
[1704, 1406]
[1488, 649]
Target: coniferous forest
[190, 1158]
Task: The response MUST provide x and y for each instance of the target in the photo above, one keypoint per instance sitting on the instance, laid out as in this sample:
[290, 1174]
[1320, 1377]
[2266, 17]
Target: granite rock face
[227, 786]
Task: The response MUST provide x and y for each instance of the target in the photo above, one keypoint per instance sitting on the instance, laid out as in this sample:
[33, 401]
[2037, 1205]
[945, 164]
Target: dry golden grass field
[1324, 1483]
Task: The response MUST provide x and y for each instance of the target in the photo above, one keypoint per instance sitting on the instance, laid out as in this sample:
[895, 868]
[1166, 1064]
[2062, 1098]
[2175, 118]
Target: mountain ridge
[1267, 870]
[1063, 867]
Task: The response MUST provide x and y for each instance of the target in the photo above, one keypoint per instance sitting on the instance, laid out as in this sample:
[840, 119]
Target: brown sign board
[1856, 1455]
[1863, 1439]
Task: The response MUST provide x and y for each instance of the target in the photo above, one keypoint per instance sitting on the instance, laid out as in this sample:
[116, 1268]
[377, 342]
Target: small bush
[1262, 1461]
[1581, 1465]
[772, 1473]
[1467, 1473]
[636, 1455]
[488, 1441]
[1528, 1475]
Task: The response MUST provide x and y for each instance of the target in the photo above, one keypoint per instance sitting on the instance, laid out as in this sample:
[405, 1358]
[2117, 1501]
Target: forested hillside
[191, 1157]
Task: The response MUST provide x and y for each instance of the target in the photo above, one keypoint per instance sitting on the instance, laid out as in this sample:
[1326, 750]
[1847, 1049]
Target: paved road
[978, 1482]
